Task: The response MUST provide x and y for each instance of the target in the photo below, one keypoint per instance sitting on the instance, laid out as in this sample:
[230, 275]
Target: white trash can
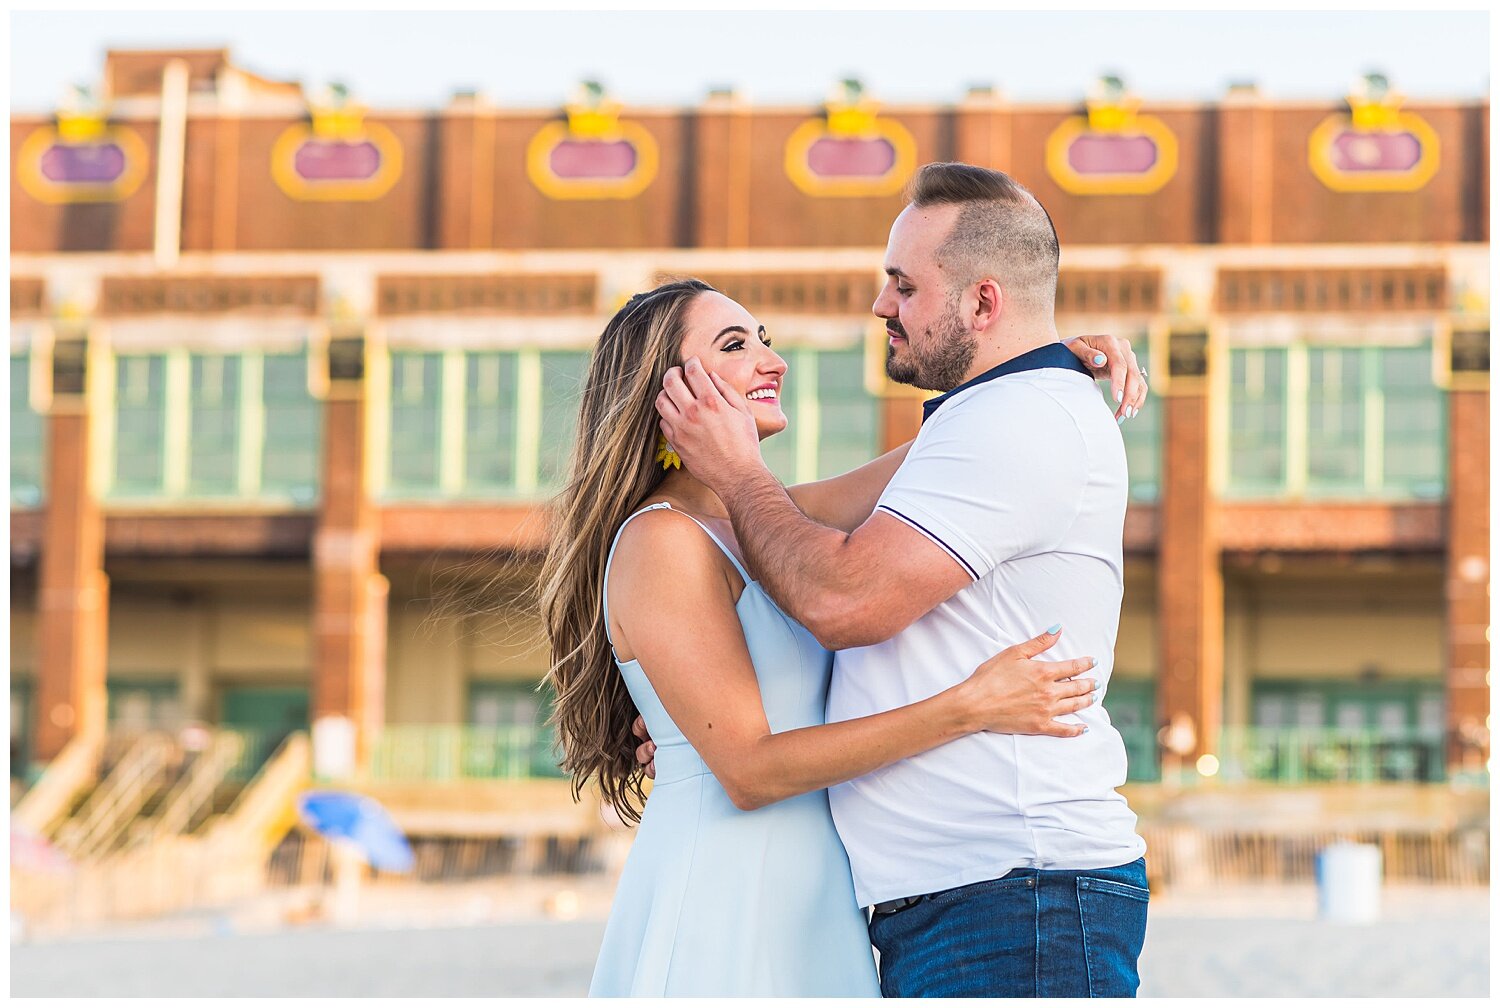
[1349, 883]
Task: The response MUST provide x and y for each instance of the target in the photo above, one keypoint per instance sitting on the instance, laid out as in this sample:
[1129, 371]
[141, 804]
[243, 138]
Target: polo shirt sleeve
[995, 476]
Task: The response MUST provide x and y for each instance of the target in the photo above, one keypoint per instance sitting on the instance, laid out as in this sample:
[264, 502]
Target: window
[214, 429]
[1414, 424]
[490, 414]
[27, 437]
[291, 446]
[563, 373]
[1395, 708]
[482, 423]
[1257, 420]
[1336, 421]
[206, 425]
[496, 423]
[140, 424]
[416, 420]
[848, 416]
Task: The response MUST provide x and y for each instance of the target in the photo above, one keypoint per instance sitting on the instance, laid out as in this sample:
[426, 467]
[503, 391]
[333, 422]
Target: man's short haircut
[1002, 231]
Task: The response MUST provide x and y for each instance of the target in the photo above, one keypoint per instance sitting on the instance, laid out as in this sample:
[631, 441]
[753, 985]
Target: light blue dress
[717, 901]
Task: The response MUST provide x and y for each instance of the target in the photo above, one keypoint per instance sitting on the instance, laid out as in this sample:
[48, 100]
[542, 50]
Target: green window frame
[292, 438]
[1337, 381]
[848, 433]
[1142, 433]
[562, 374]
[1325, 420]
[501, 423]
[214, 426]
[1414, 425]
[491, 421]
[482, 424]
[28, 431]
[140, 425]
[1402, 705]
[1257, 421]
[416, 405]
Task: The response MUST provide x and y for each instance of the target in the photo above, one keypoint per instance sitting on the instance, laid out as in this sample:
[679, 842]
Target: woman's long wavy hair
[613, 469]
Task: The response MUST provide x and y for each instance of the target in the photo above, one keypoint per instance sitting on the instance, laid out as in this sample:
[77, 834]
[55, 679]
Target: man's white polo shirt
[1019, 476]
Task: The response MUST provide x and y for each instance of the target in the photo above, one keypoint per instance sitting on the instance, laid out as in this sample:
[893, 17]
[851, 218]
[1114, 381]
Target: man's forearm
[799, 562]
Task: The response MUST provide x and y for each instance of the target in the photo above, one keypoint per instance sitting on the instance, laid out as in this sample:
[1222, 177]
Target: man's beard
[943, 361]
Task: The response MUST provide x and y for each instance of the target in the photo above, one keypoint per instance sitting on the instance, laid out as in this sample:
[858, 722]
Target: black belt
[897, 905]
[892, 906]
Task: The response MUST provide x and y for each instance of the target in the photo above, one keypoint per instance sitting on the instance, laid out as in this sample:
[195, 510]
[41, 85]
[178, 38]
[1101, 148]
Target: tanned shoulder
[665, 569]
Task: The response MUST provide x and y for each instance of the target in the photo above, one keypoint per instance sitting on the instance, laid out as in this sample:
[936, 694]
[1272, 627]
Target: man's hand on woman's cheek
[707, 423]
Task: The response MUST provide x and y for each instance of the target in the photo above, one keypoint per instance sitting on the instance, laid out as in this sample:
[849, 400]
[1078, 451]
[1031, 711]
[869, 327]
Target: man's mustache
[892, 326]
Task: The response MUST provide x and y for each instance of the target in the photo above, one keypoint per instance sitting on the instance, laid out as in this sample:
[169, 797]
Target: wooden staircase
[160, 831]
[98, 824]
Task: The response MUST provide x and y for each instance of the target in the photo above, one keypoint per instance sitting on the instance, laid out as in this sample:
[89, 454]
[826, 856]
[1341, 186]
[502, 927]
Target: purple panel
[593, 159]
[1384, 152]
[1112, 155]
[831, 158]
[86, 164]
[335, 161]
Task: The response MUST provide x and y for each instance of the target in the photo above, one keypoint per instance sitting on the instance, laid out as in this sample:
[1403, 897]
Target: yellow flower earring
[668, 458]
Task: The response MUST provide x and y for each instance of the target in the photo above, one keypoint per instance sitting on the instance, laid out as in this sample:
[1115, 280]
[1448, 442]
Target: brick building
[283, 368]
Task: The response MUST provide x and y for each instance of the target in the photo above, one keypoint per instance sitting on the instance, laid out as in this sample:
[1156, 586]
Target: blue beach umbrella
[360, 821]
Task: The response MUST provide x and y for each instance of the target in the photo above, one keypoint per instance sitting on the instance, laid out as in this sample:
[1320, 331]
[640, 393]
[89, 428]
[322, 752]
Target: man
[996, 865]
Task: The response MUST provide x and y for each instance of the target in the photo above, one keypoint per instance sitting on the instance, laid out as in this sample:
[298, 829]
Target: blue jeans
[1032, 933]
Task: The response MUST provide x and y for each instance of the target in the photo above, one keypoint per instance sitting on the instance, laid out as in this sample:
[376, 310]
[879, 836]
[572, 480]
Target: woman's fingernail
[1093, 663]
[1120, 396]
[1120, 419]
[1054, 628]
[1099, 360]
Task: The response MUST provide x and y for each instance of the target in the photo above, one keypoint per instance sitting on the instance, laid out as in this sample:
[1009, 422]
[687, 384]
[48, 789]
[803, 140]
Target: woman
[737, 882]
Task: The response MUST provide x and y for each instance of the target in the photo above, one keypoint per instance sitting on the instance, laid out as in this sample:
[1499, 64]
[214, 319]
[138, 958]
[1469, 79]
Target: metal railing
[1306, 755]
[1331, 755]
[458, 752]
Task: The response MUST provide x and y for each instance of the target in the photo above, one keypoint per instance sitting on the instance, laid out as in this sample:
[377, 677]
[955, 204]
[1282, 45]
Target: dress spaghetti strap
[604, 590]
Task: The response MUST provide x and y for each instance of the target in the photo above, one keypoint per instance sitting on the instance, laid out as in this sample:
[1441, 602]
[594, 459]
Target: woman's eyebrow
[734, 328]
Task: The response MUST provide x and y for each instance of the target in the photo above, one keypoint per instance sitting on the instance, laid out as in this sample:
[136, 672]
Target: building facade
[292, 382]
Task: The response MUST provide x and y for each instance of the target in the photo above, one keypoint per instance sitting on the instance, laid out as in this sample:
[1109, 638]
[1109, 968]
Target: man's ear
[988, 304]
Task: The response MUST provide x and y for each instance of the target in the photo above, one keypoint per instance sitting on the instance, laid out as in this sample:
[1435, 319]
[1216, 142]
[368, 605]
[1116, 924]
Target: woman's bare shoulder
[668, 550]
[664, 567]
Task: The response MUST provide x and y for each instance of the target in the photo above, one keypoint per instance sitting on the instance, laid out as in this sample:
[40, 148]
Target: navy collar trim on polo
[1052, 355]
